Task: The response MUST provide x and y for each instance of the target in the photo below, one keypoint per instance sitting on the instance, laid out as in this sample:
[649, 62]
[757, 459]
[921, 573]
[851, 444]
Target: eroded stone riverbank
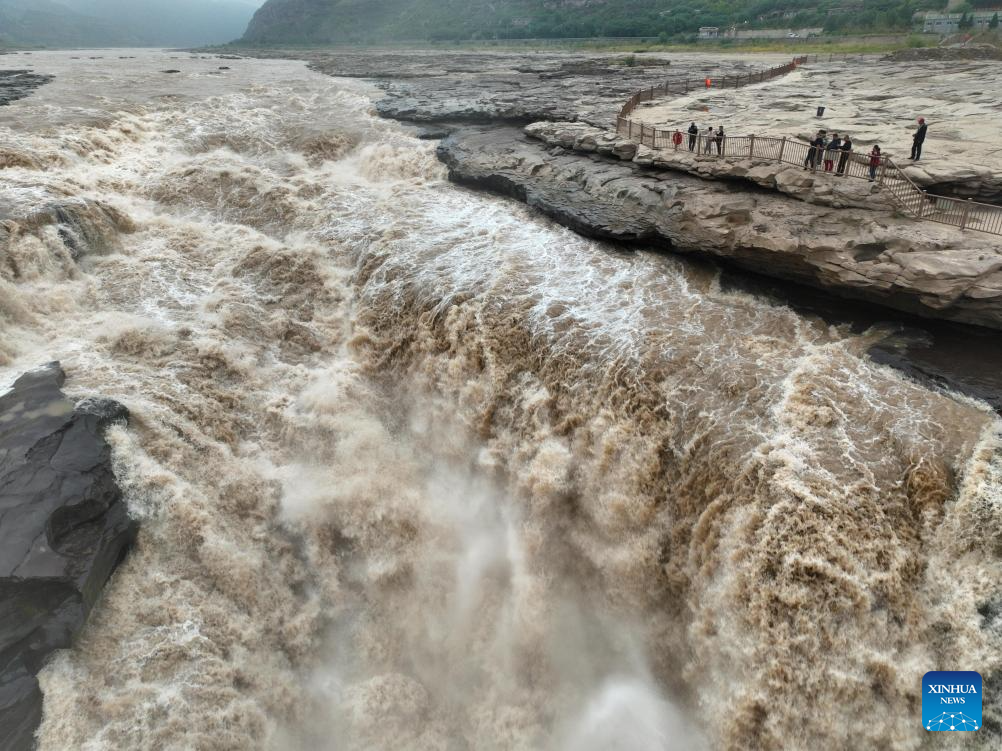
[856, 246]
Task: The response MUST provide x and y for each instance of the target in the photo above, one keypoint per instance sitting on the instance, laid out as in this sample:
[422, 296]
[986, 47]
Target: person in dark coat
[846, 149]
[693, 132]
[814, 152]
[918, 139]
[719, 140]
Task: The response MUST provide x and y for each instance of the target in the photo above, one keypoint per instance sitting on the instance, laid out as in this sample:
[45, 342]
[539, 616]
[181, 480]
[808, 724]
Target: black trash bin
[821, 111]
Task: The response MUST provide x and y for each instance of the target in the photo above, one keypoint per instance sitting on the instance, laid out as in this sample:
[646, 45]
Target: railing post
[922, 203]
[967, 211]
[782, 148]
[751, 146]
[630, 131]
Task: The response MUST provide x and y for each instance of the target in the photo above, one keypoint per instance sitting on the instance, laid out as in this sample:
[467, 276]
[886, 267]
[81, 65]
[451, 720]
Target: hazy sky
[67, 23]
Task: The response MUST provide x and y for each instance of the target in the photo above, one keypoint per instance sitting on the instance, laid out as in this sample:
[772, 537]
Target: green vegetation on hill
[334, 21]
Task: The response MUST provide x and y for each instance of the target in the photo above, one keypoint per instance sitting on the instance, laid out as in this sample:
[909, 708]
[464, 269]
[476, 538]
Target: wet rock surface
[17, 84]
[919, 268]
[63, 530]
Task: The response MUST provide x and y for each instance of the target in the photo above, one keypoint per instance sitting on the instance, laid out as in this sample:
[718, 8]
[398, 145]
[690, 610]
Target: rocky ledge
[812, 187]
[63, 530]
[17, 84]
[874, 255]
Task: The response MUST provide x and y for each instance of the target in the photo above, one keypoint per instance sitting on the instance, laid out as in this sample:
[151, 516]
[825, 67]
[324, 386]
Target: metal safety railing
[912, 200]
[685, 85]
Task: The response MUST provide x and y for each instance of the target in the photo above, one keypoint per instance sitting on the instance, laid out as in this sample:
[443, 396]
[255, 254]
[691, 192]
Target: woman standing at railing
[875, 159]
[719, 140]
[831, 151]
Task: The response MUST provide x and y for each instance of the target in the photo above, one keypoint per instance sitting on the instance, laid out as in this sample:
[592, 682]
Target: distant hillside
[330, 21]
[41, 23]
[142, 23]
[173, 22]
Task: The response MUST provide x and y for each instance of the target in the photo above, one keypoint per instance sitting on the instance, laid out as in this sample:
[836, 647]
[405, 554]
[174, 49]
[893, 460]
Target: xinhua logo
[951, 700]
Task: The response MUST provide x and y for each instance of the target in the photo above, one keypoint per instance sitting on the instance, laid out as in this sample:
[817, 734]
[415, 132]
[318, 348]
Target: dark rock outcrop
[63, 530]
[17, 84]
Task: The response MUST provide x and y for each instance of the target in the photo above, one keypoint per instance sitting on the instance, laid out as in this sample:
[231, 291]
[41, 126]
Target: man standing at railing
[918, 139]
[846, 149]
[693, 132]
[814, 152]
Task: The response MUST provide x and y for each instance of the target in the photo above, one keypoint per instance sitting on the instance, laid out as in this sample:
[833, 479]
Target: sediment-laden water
[417, 469]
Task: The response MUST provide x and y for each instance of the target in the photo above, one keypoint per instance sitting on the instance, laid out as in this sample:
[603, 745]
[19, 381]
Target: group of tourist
[832, 154]
[712, 138]
[836, 149]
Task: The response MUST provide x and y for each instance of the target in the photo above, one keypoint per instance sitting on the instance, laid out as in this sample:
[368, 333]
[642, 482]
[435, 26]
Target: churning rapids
[417, 469]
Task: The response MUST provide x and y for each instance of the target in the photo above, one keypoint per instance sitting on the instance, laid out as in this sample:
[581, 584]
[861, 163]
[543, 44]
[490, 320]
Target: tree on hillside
[994, 23]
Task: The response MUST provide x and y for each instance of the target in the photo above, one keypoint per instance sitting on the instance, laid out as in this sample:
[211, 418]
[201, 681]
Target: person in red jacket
[677, 138]
[874, 162]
